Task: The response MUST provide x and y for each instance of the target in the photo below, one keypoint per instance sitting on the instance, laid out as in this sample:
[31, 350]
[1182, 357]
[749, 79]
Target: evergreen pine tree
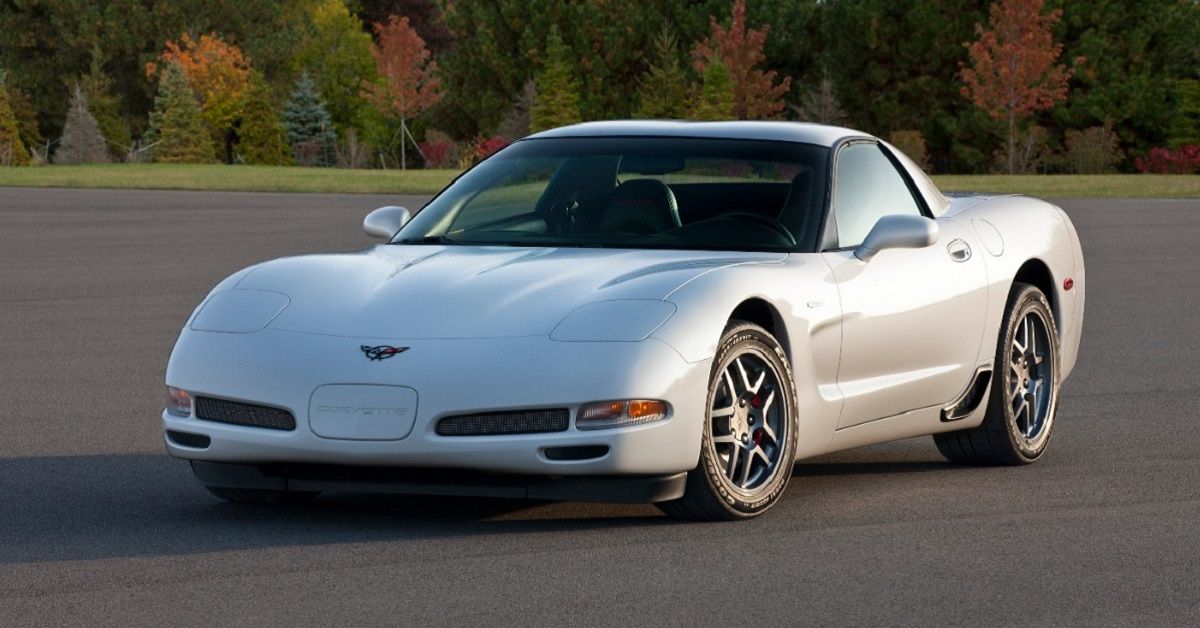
[1185, 128]
[661, 92]
[715, 99]
[12, 149]
[261, 136]
[515, 124]
[557, 99]
[82, 142]
[106, 107]
[26, 115]
[756, 94]
[176, 125]
[821, 105]
[309, 126]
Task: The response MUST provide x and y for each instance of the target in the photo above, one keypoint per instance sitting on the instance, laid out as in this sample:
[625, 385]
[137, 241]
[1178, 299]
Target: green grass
[286, 179]
[229, 178]
[1077, 186]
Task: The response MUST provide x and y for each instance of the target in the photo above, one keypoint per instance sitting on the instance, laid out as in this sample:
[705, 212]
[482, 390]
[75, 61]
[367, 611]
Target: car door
[912, 319]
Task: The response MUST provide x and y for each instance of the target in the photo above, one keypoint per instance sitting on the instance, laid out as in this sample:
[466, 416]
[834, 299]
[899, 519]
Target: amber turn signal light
[179, 403]
[605, 414]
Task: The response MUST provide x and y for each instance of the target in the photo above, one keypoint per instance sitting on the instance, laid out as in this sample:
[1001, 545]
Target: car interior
[603, 199]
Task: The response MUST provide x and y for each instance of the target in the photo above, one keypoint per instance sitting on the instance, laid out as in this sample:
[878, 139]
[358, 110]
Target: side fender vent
[970, 399]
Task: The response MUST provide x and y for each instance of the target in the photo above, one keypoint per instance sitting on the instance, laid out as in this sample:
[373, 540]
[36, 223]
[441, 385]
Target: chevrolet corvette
[666, 312]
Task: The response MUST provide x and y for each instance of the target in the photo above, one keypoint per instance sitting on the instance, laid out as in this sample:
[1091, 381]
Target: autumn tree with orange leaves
[218, 73]
[756, 95]
[1013, 72]
[408, 84]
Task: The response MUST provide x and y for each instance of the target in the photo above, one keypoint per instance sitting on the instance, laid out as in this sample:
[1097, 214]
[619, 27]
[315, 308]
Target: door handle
[959, 251]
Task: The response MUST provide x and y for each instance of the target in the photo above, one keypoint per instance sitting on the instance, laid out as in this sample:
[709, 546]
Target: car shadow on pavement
[124, 505]
[57, 508]
[813, 469]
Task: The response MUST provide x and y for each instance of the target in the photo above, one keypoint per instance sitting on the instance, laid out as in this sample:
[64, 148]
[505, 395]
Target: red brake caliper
[758, 434]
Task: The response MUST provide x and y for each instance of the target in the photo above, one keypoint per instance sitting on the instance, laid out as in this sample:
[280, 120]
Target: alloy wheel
[1030, 393]
[748, 421]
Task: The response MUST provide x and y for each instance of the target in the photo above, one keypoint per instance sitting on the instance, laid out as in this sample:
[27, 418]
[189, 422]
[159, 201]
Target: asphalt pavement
[99, 526]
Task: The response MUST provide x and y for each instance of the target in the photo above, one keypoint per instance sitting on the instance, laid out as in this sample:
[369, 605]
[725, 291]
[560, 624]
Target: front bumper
[283, 369]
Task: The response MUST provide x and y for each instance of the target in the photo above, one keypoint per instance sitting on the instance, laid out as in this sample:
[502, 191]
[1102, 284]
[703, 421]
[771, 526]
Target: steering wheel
[770, 223]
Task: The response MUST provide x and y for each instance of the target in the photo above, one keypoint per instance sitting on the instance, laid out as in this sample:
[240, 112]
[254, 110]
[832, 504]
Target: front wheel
[1025, 384]
[749, 437]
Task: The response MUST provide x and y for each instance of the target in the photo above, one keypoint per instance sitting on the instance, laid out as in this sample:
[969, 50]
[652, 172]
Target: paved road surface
[98, 526]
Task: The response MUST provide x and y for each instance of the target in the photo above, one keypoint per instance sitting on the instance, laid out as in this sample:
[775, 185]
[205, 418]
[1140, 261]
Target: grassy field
[281, 179]
[1077, 186]
[229, 178]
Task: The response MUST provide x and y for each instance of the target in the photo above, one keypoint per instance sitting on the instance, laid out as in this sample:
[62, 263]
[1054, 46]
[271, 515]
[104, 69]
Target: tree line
[1007, 86]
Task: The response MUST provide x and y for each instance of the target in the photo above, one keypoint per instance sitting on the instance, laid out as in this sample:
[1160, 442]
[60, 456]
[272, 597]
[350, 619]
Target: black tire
[710, 495]
[999, 440]
[260, 496]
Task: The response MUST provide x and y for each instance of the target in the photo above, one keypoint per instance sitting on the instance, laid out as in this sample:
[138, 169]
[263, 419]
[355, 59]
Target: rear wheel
[749, 437]
[1025, 384]
[260, 496]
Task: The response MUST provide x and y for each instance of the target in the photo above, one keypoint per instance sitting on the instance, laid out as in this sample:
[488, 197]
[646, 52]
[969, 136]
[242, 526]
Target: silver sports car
[638, 311]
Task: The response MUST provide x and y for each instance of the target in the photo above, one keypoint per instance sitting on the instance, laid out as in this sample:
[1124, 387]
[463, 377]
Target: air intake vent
[509, 422]
[185, 439]
[236, 413]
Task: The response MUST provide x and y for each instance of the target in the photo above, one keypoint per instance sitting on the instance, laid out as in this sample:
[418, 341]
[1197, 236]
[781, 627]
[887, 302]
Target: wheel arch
[1037, 273]
[762, 313]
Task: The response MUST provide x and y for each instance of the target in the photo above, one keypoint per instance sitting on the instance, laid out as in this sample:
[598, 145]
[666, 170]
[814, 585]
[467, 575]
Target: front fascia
[451, 377]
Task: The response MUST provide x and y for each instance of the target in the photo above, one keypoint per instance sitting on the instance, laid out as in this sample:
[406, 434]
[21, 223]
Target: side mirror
[385, 221]
[898, 231]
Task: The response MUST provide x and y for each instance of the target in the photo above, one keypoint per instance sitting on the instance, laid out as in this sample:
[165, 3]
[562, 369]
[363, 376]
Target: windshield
[634, 192]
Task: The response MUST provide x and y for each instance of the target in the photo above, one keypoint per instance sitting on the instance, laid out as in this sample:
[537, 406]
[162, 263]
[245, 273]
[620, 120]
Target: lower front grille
[507, 422]
[247, 414]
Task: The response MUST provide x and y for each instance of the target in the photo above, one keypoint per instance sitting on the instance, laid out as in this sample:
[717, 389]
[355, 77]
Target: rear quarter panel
[1016, 230]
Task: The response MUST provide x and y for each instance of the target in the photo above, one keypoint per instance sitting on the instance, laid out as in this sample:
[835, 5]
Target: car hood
[413, 292]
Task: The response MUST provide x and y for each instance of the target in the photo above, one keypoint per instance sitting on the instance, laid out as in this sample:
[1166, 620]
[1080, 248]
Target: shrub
[439, 150]
[1182, 160]
[912, 144]
[484, 147]
[471, 153]
[1096, 150]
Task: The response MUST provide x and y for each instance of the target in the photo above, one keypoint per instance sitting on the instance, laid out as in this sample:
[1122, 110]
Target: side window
[868, 187]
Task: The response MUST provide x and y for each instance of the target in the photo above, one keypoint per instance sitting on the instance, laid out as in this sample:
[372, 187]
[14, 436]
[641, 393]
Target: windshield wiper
[432, 239]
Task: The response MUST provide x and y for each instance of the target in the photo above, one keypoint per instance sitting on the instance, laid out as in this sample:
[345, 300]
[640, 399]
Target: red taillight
[1068, 283]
